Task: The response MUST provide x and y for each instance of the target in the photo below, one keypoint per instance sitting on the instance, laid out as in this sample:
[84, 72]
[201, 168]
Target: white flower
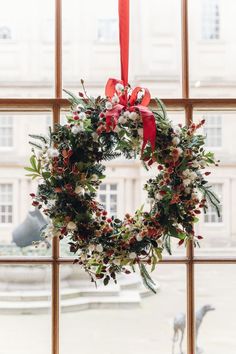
[140, 132]
[122, 120]
[99, 248]
[119, 87]
[95, 136]
[94, 178]
[132, 255]
[177, 129]
[138, 237]
[79, 190]
[203, 163]
[91, 248]
[115, 99]
[108, 105]
[116, 261]
[117, 129]
[82, 115]
[134, 116]
[187, 182]
[76, 129]
[192, 175]
[53, 153]
[126, 114]
[195, 164]
[175, 141]
[71, 226]
[158, 196]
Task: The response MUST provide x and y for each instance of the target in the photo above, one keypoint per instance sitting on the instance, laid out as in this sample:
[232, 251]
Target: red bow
[128, 104]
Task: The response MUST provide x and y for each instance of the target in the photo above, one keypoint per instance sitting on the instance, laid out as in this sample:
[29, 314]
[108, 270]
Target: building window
[210, 19]
[211, 214]
[5, 32]
[6, 132]
[108, 197]
[6, 203]
[107, 30]
[213, 131]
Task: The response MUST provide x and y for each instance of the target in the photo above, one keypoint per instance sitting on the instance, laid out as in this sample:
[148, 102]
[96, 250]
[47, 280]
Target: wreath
[70, 167]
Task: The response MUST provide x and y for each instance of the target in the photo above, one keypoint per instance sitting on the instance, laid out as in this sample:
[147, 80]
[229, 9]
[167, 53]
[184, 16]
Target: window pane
[120, 317]
[26, 48]
[219, 232]
[212, 39]
[20, 223]
[93, 52]
[25, 309]
[215, 305]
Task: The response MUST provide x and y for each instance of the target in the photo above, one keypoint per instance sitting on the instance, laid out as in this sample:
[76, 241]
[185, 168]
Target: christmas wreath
[70, 167]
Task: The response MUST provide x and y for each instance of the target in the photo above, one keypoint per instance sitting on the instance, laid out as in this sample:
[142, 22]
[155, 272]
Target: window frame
[56, 105]
[221, 223]
[10, 147]
[11, 183]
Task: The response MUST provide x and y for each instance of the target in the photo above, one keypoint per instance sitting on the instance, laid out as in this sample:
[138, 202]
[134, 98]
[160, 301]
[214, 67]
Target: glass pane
[215, 305]
[27, 48]
[212, 39]
[120, 317]
[219, 231]
[25, 309]
[20, 223]
[113, 198]
[93, 53]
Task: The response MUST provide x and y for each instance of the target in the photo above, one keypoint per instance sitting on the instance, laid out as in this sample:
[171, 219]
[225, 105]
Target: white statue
[180, 324]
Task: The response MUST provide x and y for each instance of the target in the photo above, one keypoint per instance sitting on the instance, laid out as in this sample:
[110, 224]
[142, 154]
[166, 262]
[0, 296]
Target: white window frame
[7, 224]
[222, 202]
[108, 192]
[211, 125]
[10, 147]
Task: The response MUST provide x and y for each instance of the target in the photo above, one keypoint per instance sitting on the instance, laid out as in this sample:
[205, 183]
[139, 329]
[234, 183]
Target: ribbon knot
[131, 103]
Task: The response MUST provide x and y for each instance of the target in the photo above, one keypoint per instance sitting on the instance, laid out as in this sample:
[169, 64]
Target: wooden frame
[55, 105]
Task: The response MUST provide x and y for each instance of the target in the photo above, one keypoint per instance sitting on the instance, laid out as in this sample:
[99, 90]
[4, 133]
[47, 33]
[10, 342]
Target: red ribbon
[129, 103]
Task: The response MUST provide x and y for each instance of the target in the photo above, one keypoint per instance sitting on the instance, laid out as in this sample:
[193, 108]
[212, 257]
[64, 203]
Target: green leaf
[30, 169]
[33, 162]
[46, 175]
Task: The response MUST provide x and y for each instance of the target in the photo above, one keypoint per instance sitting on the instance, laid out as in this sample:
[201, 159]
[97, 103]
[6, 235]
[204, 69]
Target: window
[6, 203]
[5, 32]
[213, 131]
[211, 214]
[107, 30]
[210, 19]
[108, 197]
[6, 132]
